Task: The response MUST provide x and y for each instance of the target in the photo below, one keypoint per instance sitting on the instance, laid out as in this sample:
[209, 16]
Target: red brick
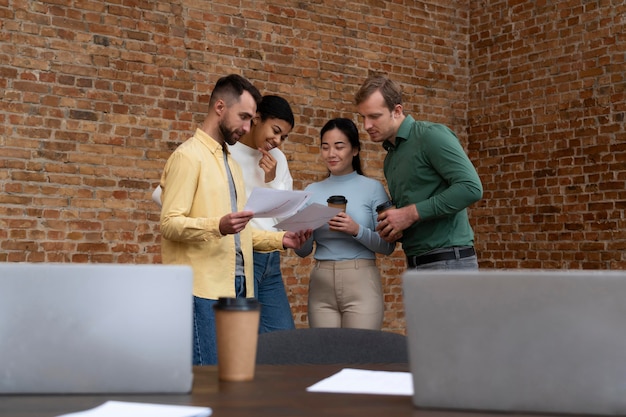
[86, 125]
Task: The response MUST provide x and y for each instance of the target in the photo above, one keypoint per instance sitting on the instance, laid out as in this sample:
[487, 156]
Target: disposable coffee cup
[337, 201]
[386, 206]
[237, 328]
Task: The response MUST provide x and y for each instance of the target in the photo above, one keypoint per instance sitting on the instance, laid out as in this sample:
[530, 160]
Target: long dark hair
[348, 128]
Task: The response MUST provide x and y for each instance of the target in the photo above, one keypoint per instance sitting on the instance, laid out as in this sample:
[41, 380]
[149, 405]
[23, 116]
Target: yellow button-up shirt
[195, 196]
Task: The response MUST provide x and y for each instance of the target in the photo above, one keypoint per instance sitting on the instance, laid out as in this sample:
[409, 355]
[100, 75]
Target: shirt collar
[209, 142]
[402, 135]
[343, 178]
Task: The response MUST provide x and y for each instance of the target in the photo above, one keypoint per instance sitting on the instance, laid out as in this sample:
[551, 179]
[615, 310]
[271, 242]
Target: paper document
[310, 217]
[267, 202]
[130, 409]
[360, 381]
[156, 195]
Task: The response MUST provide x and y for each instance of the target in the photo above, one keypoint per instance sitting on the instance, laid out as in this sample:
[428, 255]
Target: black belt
[414, 261]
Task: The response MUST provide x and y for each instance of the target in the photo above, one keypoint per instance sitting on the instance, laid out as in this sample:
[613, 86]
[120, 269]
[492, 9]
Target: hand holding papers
[266, 202]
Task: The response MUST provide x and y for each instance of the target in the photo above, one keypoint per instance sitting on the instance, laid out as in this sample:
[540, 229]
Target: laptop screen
[95, 328]
[523, 340]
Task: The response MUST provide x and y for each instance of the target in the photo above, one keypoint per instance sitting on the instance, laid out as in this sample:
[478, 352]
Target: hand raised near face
[268, 165]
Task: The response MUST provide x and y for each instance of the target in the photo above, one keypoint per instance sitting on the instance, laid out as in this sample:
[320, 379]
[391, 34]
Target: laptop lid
[524, 340]
[95, 328]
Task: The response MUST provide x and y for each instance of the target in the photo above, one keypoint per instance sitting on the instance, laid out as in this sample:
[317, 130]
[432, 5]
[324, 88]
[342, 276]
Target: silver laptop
[95, 328]
[524, 340]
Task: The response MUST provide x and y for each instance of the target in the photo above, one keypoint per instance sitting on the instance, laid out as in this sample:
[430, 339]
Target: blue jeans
[204, 340]
[269, 289]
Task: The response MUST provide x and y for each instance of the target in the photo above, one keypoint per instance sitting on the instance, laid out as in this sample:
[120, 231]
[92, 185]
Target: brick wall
[95, 95]
[546, 128]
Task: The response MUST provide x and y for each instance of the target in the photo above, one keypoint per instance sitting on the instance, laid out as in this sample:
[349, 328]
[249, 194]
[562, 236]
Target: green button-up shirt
[428, 167]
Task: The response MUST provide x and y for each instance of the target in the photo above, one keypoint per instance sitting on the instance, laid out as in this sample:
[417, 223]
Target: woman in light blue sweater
[345, 287]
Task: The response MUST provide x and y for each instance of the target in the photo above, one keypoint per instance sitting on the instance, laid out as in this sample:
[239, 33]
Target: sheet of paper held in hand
[362, 381]
[267, 202]
[122, 408]
[310, 217]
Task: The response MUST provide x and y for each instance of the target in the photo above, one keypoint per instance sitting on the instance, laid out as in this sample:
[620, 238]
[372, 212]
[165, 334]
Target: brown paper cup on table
[237, 328]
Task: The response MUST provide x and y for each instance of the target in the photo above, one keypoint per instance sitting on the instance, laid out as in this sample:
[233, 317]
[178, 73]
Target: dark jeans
[269, 289]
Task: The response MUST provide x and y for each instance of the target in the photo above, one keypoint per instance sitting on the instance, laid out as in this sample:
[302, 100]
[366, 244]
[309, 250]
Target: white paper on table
[268, 202]
[130, 409]
[361, 381]
[310, 217]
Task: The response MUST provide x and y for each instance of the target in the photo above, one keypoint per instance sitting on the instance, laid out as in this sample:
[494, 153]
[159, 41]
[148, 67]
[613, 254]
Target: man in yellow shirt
[202, 222]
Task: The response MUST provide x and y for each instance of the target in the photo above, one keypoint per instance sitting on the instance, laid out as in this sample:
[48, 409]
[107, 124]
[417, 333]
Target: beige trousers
[346, 294]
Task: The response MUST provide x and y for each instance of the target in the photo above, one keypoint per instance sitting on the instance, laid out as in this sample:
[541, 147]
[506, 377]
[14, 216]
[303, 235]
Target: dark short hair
[275, 107]
[391, 92]
[348, 128]
[230, 88]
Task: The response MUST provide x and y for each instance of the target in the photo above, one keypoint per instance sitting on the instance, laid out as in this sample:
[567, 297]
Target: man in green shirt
[430, 178]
